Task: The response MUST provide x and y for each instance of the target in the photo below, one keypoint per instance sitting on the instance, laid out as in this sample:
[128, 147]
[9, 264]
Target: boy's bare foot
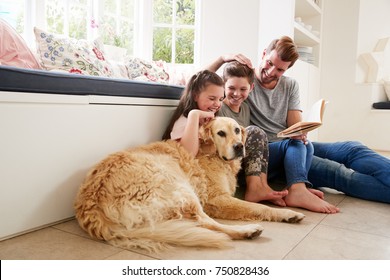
[257, 191]
[300, 196]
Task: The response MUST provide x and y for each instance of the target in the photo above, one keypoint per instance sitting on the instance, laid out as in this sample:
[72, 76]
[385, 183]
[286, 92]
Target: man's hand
[302, 137]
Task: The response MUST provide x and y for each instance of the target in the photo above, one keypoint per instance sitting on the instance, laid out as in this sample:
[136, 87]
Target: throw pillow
[142, 70]
[14, 50]
[75, 56]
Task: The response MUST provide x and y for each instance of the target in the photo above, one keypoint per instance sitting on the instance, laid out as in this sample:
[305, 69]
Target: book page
[312, 120]
[316, 112]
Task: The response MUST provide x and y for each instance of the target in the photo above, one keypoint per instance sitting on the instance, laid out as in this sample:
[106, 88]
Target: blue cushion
[40, 81]
[381, 105]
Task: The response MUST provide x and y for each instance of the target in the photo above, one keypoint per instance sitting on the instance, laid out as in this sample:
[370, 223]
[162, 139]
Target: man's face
[272, 67]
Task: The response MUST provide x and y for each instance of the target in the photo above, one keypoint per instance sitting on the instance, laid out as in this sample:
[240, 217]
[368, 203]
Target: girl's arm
[190, 138]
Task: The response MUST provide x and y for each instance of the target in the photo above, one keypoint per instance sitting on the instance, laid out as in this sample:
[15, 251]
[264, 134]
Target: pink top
[178, 128]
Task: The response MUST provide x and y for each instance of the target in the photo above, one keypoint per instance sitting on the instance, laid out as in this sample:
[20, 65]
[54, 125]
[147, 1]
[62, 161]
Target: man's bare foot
[318, 193]
[300, 196]
[257, 191]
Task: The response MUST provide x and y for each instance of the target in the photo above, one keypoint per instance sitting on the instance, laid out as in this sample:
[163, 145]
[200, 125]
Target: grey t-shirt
[243, 117]
[269, 107]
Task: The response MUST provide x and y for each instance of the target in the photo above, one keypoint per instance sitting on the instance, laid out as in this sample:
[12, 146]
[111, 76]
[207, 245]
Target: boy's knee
[255, 132]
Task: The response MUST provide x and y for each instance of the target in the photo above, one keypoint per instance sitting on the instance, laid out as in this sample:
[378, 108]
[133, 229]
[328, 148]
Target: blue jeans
[352, 168]
[290, 159]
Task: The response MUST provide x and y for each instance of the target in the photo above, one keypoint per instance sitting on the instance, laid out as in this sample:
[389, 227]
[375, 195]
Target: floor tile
[129, 255]
[361, 215]
[72, 226]
[276, 241]
[51, 244]
[330, 243]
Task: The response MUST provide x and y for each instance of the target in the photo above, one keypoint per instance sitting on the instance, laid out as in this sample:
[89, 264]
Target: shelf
[307, 26]
[307, 8]
[304, 37]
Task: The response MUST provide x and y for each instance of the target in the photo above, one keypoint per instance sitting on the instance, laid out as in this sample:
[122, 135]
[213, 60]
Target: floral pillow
[142, 70]
[72, 55]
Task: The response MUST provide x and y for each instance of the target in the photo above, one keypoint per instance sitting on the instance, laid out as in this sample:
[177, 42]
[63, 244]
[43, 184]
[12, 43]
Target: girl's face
[210, 99]
[237, 90]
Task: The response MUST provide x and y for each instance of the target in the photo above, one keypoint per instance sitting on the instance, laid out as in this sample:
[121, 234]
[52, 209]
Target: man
[349, 166]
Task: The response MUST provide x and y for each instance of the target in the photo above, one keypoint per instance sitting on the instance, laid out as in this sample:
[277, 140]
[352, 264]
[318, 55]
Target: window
[115, 23]
[151, 29]
[13, 12]
[67, 17]
[174, 31]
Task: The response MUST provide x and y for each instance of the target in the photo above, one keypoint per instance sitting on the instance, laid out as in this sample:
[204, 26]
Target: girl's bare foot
[300, 196]
[257, 191]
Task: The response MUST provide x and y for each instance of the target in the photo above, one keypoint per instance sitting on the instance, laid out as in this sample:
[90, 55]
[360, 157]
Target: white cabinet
[49, 142]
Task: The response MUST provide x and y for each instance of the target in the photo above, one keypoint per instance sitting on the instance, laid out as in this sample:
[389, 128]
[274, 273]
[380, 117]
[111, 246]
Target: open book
[312, 121]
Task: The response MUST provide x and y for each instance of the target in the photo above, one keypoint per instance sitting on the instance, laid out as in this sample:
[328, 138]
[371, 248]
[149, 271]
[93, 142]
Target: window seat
[56, 126]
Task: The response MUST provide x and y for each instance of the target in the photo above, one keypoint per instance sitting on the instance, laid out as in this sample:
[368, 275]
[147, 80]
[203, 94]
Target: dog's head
[224, 136]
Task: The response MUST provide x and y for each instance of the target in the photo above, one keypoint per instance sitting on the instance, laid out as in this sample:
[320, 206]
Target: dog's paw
[293, 217]
[253, 231]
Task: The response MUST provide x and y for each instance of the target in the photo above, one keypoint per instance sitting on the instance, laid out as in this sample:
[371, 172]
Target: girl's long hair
[194, 87]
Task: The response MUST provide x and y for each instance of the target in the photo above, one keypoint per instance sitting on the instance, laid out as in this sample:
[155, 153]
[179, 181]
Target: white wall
[228, 26]
[350, 27]
[374, 24]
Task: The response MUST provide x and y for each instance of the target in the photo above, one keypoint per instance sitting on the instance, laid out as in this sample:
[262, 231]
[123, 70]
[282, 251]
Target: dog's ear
[205, 133]
[243, 133]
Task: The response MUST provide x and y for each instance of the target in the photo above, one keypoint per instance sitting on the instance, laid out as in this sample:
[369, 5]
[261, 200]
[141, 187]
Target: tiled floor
[360, 231]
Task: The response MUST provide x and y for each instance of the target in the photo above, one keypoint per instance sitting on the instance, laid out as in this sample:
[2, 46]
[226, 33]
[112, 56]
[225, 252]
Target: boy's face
[237, 90]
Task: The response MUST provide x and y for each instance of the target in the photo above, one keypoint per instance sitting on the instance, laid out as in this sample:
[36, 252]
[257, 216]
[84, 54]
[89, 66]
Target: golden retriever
[157, 195]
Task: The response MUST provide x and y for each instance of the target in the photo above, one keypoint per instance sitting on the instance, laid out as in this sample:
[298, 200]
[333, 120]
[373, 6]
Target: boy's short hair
[237, 69]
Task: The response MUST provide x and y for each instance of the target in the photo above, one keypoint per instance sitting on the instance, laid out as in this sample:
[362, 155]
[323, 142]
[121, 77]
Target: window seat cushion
[381, 105]
[42, 81]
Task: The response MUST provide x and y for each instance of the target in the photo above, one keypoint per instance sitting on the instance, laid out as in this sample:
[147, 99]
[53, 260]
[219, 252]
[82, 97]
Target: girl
[201, 100]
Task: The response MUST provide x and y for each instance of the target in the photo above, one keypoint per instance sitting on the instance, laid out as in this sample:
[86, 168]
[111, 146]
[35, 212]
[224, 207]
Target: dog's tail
[167, 233]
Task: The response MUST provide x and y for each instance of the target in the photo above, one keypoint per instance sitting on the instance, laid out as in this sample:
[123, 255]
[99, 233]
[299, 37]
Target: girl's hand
[202, 116]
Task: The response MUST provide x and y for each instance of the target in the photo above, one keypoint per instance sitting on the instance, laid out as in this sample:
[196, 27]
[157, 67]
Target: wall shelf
[308, 26]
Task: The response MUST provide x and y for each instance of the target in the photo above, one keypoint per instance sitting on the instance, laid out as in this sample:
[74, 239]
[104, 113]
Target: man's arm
[294, 116]
[214, 66]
